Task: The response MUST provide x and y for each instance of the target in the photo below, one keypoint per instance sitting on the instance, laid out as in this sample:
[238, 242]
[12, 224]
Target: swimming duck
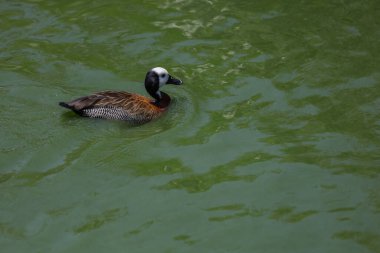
[121, 105]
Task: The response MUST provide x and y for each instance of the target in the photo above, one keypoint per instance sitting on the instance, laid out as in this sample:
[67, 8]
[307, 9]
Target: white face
[163, 75]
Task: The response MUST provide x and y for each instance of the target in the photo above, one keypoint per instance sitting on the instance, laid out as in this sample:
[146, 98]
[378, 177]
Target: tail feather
[66, 105]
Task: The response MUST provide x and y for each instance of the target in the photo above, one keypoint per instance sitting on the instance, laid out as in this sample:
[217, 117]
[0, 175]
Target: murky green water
[271, 145]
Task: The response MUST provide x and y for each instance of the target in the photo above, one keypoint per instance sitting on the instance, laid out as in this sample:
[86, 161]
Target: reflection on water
[368, 240]
[234, 211]
[275, 130]
[96, 221]
[218, 174]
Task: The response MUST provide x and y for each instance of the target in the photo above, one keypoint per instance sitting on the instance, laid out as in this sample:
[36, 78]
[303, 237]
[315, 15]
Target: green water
[271, 145]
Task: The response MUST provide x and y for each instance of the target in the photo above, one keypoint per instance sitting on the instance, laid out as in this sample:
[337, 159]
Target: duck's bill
[173, 80]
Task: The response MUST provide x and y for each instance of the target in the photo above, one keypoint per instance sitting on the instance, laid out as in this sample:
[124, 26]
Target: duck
[126, 106]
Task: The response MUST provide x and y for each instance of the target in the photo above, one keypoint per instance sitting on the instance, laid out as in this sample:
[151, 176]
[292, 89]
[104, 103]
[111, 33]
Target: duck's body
[121, 105]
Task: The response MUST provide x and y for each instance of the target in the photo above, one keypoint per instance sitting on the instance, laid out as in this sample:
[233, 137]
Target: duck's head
[155, 79]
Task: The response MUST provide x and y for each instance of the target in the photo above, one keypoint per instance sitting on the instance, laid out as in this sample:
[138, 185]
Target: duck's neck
[163, 101]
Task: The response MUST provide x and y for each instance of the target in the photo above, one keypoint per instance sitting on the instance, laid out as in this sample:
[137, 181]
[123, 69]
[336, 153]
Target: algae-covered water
[272, 144]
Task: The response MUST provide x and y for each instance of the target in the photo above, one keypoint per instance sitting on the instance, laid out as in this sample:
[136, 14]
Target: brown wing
[135, 107]
[99, 99]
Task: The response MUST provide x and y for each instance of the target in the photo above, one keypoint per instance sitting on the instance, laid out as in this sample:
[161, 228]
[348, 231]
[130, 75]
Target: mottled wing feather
[116, 105]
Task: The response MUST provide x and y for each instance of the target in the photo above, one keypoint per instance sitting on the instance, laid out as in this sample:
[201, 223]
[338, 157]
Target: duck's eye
[163, 75]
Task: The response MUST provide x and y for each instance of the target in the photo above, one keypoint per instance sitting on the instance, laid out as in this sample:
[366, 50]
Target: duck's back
[116, 105]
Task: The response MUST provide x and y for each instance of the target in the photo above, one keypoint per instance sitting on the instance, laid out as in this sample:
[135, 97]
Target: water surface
[271, 145]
